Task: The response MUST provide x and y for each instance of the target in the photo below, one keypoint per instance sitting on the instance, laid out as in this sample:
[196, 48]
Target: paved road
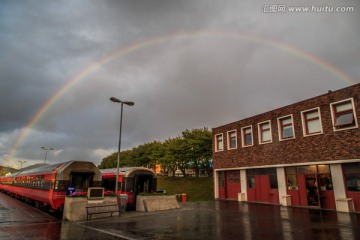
[202, 220]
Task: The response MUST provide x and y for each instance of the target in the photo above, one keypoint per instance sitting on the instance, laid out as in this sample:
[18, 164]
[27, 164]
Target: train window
[81, 180]
[109, 184]
[129, 184]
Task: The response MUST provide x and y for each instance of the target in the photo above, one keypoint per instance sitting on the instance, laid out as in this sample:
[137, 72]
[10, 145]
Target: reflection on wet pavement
[233, 220]
[201, 220]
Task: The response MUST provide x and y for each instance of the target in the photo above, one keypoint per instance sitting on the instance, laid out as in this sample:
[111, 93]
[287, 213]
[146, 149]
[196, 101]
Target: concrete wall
[156, 203]
[75, 208]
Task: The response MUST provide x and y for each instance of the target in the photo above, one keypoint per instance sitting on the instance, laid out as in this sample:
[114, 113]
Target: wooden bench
[98, 208]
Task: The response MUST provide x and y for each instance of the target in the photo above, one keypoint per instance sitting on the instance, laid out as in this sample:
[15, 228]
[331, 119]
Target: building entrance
[262, 185]
[312, 190]
[310, 186]
[229, 184]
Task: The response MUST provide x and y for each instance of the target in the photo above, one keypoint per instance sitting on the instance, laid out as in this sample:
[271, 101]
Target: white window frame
[217, 143]
[333, 114]
[304, 122]
[229, 139]
[260, 132]
[243, 136]
[280, 127]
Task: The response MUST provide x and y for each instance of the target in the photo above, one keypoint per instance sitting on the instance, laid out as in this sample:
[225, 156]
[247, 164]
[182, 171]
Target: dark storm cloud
[176, 84]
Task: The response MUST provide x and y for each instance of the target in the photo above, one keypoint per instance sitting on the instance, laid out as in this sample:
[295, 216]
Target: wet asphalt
[194, 220]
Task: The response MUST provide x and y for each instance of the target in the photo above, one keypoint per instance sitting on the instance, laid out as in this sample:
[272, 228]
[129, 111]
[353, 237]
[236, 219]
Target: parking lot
[194, 220]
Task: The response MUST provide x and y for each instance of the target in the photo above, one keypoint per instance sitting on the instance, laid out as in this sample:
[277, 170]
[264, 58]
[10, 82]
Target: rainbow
[161, 39]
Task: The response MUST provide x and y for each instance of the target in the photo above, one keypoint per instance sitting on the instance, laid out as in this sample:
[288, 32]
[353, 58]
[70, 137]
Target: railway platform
[194, 220]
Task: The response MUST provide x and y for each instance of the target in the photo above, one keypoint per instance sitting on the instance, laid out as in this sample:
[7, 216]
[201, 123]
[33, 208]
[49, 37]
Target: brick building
[304, 154]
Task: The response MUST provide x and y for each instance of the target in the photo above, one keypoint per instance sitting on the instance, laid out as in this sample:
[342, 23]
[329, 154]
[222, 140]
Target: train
[47, 186]
[132, 181]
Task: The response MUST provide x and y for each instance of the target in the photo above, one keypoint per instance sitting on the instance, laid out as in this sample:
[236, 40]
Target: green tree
[193, 149]
[111, 160]
[199, 149]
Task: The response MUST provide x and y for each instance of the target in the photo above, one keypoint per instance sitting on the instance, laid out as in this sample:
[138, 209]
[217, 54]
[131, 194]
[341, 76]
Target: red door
[302, 190]
[262, 188]
[326, 191]
[327, 199]
[232, 184]
[221, 185]
[264, 193]
[259, 190]
[251, 188]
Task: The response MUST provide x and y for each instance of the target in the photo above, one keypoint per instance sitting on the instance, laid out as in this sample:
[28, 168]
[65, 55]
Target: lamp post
[21, 163]
[113, 99]
[46, 150]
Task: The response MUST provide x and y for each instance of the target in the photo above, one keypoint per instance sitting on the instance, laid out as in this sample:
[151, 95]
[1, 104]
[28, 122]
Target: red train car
[46, 186]
[132, 181]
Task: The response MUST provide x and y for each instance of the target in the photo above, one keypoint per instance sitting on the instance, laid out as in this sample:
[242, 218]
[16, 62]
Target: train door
[138, 180]
[81, 181]
[143, 184]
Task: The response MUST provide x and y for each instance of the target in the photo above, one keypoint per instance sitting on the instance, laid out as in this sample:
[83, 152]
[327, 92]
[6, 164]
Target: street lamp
[21, 163]
[46, 150]
[113, 99]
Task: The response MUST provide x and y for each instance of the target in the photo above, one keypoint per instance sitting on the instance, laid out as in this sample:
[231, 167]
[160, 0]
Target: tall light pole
[46, 150]
[21, 163]
[113, 99]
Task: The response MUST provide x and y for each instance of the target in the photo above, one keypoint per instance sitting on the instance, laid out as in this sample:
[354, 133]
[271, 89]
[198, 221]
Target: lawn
[196, 189]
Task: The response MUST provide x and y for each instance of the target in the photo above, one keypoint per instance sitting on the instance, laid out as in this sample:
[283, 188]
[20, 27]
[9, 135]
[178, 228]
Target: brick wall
[331, 145]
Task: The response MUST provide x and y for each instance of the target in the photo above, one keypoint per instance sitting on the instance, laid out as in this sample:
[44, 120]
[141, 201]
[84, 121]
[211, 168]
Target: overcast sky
[193, 64]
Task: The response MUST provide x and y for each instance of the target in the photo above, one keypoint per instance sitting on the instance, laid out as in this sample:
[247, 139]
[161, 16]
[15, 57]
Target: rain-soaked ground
[202, 220]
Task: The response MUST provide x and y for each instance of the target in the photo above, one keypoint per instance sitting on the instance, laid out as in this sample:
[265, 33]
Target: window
[250, 173]
[317, 175]
[231, 178]
[251, 181]
[234, 177]
[286, 128]
[311, 121]
[247, 137]
[219, 143]
[265, 132]
[221, 179]
[352, 176]
[273, 181]
[232, 139]
[343, 115]
[325, 179]
[292, 182]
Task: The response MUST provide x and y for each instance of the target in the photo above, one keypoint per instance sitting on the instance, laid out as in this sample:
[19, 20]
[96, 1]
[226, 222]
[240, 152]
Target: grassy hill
[196, 189]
